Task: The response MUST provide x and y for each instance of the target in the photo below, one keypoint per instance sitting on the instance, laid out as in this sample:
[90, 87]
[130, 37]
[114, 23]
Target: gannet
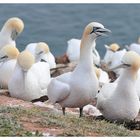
[102, 76]
[73, 51]
[112, 58]
[78, 88]
[119, 100]
[42, 52]
[110, 50]
[9, 32]
[115, 60]
[8, 58]
[29, 80]
[134, 46]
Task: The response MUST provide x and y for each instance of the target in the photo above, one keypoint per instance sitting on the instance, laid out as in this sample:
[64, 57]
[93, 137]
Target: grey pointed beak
[121, 65]
[3, 58]
[14, 34]
[103, 31]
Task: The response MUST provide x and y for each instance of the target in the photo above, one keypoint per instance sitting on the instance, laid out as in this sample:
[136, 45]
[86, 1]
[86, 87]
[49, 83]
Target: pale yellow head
[9, 52]
[92, 31]
[92, 27]
[133, 59]
[114, 47]
[42, 47]
[15, 23]
[25, 60]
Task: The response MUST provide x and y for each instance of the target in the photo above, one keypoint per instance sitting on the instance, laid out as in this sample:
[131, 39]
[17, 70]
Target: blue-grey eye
[95, 29]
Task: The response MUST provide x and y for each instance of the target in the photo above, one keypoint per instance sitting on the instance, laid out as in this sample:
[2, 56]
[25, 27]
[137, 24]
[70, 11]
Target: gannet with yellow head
[8, 59]
[119, 100]
[112, 58]
[42, 52]
[78, 88]
[9, 32]
[29, 80]
[112, 48]
[102, 76]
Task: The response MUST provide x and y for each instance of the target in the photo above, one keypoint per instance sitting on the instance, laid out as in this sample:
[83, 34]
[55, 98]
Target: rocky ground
[22, 118]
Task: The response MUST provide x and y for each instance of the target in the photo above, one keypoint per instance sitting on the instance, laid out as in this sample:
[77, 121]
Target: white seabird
[110, 50]
[119, 100]
[8, 59]
[134, 46]
[29, 80]
[78, 88]
[9, 32]
[112, 58]
[42, 52]
[102, 76]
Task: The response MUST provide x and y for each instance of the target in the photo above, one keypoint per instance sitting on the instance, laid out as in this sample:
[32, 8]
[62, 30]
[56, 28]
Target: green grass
[11, 119]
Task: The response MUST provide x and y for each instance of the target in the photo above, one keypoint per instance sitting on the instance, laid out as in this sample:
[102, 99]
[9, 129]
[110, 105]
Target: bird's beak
[102, 31]
[14, 34]
[3, 58]
[122, 65]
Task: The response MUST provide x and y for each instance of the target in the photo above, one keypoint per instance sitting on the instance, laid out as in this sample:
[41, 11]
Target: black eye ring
[95, 29]
[40, 52]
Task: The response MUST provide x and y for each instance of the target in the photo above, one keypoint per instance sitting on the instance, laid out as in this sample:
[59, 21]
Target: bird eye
[40, 52]
[95, 29]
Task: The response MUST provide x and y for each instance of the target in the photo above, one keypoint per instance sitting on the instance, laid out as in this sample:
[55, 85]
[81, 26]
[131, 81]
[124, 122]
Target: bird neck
[127, 81]
[86, 48]
[6, 31]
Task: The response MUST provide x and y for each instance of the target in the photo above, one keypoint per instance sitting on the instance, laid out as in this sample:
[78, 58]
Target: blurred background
[57, 23]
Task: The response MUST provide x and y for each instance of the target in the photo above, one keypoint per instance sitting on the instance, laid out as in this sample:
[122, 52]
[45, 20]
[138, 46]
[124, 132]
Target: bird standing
[78, 88]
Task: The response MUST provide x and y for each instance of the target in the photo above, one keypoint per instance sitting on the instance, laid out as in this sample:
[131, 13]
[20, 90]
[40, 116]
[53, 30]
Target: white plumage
[41, 52]
[110, 50]
[78, 88]
[8, 59]
[29, 80]
[134, 47]
[73, 51]
[102, 76]
[112, 58]
[119, 100]
[9, 32]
